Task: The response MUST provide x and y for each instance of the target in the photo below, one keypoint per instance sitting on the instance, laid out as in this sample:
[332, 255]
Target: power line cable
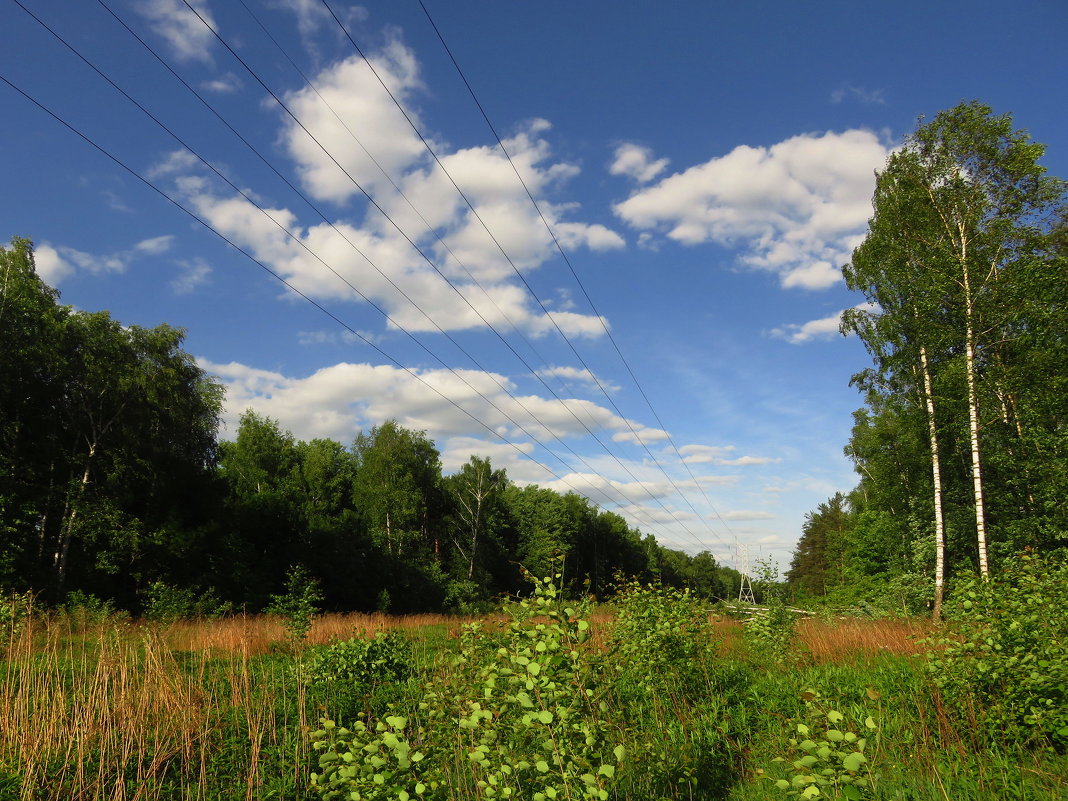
[192, 214]
[627, 501]
[571, 267]
[458, 261]
[357, 291]
[522, 278]
[429, 261]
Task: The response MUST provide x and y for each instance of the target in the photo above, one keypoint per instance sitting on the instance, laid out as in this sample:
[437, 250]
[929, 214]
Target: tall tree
[398, 487]
[107, 430]
[961, 215]
[31, 460]
[903, 323]
[475, 490]
[819, 561]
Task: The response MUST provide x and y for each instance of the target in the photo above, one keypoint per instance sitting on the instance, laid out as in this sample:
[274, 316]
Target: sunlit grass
[214, 709]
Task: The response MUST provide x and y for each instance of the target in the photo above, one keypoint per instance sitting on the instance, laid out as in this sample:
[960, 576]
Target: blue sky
[706, 168]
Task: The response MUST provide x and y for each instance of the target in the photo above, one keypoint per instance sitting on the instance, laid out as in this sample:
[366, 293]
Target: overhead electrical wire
[325, 219]
[429, 261]
[522, 278]
[458, 261]
[571, 267]
[393, 322]
[286, 283]
[192, 214]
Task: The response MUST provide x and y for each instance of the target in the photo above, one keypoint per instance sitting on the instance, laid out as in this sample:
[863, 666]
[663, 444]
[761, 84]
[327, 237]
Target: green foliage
[517, 709]
[770, 630]
[165, 603]
[963, 266]
[15, 608]
[86, 608]
[371, 763]
[818, 562]
[1003, 664]
[397, 487]
[661, 639]
[299, 605]
[827, 758]
[348, 672]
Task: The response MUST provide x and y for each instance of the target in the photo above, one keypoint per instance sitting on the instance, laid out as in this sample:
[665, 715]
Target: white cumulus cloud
[187, 36]
[438, 257]
[57, 262]
[51, 266]
[339, 400]
[721, 455]
[637, 162]
[823, 328]
[796, 208]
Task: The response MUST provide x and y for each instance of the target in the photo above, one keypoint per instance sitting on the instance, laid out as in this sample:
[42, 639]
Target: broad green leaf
[854, 761]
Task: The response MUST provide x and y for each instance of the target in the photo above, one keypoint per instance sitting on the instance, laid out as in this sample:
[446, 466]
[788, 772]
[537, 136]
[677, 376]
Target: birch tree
[475, 489]
[961, 212]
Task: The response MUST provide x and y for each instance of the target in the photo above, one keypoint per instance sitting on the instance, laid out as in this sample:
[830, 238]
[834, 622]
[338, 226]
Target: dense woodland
[113, 484]
[113, 480]
[962, 444]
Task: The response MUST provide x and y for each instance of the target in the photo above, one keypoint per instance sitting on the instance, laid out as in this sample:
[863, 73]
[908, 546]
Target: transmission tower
[745, 589]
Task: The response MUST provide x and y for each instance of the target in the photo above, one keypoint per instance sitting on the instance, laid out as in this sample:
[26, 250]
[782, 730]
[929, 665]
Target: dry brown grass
[848, 639]
[106, 711]
[113, 710]
[822, 641]
[257, 634]
[838, 640]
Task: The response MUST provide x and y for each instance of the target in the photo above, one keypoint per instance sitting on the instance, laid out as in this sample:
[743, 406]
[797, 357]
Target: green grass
[83, 712]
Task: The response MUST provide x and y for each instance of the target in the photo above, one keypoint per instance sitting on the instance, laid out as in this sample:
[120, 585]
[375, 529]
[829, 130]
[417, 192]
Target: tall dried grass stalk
[107, 712]
[847, 639]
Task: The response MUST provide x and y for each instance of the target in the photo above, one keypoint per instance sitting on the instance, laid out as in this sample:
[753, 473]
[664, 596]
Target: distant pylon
[745, 588]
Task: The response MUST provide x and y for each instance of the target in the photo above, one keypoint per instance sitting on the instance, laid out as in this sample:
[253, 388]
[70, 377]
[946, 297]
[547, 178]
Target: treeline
[962, 445]
[113, 484]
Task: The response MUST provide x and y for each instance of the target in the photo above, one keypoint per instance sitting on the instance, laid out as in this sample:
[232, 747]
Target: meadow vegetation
[650, 696]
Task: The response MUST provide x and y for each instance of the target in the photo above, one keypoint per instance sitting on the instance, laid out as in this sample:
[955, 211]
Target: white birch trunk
[936, 476]
[973, 414]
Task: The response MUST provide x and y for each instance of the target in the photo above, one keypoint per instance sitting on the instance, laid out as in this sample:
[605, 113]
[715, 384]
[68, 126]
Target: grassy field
[223, 709]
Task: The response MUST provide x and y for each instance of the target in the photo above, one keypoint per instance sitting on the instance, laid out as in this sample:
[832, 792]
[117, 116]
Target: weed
[299, 605]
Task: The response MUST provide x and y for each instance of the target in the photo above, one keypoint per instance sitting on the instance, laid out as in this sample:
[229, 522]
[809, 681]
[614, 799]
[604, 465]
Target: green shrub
[164, 603]
[349, 672]
[770, 631]
[299, 604]
[361, 663]
[826, 758]
[85, 608]
[661, 639]
[514, 717]
[1003, 663]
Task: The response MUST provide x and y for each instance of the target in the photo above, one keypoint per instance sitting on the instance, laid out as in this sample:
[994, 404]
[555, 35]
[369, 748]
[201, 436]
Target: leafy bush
[349, 671]
[770, 631]
[1003, 664]
[830, 760]
[299, 605]
[361, 662]
[85, 608]
[164, 603]
[514, 717]
[661, 638]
